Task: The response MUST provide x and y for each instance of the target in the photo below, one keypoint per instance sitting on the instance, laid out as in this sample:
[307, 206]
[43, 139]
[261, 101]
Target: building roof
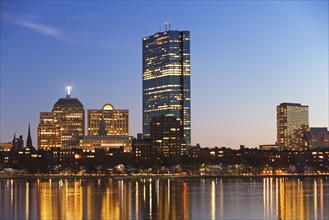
[319, 130]
[107, 137]
[292, 104]
[68, 102]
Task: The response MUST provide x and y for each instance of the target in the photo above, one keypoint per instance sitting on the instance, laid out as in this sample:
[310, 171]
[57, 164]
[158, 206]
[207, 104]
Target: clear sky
[247, 57]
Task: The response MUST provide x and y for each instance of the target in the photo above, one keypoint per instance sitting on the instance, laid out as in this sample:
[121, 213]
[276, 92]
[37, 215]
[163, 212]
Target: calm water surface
[172, 198]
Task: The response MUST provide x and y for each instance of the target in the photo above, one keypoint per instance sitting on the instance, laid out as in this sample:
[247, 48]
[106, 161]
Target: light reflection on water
[165, 198]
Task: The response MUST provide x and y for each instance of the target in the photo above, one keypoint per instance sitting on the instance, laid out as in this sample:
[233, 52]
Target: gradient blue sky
[246, 58]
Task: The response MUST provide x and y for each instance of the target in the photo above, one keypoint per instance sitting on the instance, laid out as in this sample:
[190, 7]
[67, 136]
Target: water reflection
[177, 198]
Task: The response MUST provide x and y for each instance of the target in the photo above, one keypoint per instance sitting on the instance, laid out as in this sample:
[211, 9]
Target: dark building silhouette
[102, 128]
[166, 137]
[18, 143]
[29, 140]
[143, 151]
[316, 138]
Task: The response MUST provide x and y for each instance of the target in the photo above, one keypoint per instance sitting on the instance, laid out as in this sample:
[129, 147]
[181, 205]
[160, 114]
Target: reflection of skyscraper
[292, 121]
[65, 122]
[166, 79]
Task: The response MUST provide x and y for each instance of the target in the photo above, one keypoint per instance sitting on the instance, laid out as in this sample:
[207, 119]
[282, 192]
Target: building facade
[64, 123]
[106, 143]
[166, 79]
[143, 151]
[292, 122]
[48, 131]
[116, 121]
[316, 138]
[166, 137]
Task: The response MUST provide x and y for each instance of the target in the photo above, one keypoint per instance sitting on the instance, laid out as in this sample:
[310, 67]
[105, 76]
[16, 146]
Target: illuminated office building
[48, 131]
[166, 79]
[166, 137]
[116, 121]
[64, 123]
[292, 122]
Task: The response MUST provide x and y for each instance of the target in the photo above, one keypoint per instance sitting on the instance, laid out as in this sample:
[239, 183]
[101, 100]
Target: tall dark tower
[102, 128]
[166, 79]
[29, 139]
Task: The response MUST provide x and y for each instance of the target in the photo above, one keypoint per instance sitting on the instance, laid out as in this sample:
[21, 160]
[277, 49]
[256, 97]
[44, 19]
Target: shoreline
[156, 176]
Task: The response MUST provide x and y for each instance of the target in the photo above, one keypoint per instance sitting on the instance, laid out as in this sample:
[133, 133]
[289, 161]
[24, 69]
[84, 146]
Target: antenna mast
[68, 87]
[167, 26]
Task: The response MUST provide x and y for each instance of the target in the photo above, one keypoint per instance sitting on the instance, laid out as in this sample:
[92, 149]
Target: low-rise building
[316, 138]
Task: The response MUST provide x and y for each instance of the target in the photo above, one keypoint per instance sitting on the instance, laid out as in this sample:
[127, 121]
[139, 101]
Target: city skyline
[246, 58]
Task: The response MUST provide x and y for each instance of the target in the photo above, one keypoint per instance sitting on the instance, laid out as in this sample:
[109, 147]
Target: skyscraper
[292, 122]
[166, 79]
[65, 122]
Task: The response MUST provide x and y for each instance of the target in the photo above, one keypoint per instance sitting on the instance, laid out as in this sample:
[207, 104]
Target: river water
[165, 198]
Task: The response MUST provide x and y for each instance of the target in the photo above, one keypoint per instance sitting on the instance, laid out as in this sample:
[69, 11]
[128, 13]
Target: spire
[68, 87]
[29, 139]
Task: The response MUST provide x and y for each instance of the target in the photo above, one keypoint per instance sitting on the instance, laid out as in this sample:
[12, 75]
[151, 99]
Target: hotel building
[116, 121]
[166, 79]
[292, 122]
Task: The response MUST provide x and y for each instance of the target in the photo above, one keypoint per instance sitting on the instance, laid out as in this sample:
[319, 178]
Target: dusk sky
[247, 57]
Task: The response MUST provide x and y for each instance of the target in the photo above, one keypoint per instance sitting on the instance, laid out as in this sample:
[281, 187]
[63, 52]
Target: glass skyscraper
[166, 79]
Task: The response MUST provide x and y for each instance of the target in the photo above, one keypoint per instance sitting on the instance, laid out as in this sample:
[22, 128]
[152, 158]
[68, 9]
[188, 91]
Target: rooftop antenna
[166, 26]
[68, 87]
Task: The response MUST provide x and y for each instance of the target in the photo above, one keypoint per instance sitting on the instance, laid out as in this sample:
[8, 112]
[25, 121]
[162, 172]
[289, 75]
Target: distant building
[65, 122]
[166, 137]
[18, 143]
[116, 121]
[143, 151]
[292, 122]
[89, 143]
[48, 131]
[166, 79]
[316, 138]
[102, 141]
[268, 147]
[5, 147]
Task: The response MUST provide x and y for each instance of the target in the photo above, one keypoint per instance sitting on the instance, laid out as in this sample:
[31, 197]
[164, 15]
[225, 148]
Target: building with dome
[66, 122]
[115, 120]
[107, 130]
